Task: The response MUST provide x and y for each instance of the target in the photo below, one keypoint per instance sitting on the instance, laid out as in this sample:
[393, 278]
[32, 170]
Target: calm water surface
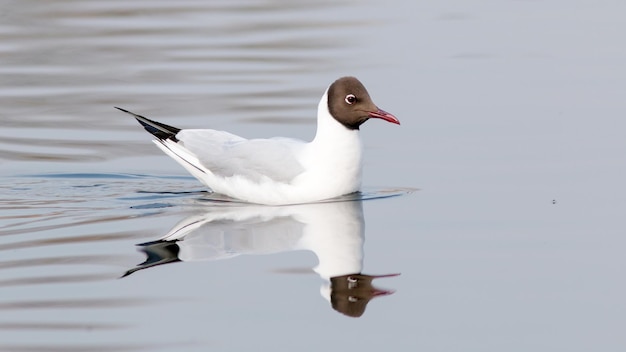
[512, 130]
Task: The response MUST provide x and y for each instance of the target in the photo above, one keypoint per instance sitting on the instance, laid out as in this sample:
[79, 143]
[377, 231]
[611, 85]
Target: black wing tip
[157, 129]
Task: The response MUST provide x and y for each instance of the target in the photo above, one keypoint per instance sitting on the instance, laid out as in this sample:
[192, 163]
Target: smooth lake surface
[512, 131]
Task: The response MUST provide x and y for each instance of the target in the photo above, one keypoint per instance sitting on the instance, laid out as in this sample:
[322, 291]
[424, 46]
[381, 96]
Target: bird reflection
[334, 231]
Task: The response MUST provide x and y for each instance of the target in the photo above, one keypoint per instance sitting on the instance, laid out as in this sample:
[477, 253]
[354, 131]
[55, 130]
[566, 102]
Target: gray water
[512, 130]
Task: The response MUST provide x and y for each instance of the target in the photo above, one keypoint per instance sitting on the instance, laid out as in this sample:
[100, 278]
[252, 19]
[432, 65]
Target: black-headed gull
[280, 170]
[333, 231]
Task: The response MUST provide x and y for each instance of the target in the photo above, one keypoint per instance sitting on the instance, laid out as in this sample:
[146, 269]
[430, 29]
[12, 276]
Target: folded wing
[227, 155]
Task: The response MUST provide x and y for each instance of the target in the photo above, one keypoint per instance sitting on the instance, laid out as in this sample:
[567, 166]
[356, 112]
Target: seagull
[279, 170]
[333, 231]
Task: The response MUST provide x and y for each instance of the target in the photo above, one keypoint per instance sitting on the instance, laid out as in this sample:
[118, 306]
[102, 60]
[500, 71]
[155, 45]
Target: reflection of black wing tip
[157, 129]
[157, 253]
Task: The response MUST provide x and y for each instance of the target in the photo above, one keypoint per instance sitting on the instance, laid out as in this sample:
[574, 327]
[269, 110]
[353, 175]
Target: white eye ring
[350, 99]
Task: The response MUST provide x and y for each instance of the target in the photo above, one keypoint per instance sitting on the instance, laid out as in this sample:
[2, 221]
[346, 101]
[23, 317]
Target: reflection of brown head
[349, 294]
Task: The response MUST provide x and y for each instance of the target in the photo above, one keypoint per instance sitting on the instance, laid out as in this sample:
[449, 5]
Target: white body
[273, 171]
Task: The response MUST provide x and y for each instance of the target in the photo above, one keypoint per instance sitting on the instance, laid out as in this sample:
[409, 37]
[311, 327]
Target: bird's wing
[157, 129]
[226, 155]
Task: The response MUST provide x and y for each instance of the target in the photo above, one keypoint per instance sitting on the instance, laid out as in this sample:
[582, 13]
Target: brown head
[351, 105]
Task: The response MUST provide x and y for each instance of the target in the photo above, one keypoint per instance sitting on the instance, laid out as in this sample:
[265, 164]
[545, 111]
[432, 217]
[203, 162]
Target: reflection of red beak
[382, 292]
[382, 114]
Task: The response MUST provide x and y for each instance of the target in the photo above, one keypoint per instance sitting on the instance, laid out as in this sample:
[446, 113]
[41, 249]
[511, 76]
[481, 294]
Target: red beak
[382, 114]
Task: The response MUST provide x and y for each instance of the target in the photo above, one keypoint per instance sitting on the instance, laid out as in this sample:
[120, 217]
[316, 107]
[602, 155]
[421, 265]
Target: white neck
[334, 155]
[330, 130]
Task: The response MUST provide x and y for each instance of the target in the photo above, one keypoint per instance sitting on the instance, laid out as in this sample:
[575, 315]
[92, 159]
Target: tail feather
[157, 129]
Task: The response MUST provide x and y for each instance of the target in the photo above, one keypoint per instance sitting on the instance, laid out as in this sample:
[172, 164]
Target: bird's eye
[350, 99]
